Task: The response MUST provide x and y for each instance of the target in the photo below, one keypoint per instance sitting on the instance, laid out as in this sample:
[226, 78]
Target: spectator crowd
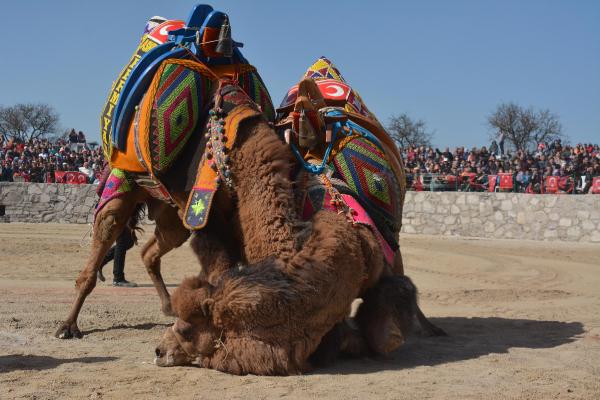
[577, 165]
[37, 160]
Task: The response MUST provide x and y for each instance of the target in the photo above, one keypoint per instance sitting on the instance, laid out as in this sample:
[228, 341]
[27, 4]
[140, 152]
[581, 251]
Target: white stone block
[588, 225]
[450, 220]
[506, 205]
[408, 229]
[573, 232]
[565, 222]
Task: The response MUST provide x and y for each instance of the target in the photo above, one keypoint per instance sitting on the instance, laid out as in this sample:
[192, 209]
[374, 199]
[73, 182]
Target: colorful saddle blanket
[195, 40]
[358, 169]
[119, 182]
[316, 195]
[361, 161]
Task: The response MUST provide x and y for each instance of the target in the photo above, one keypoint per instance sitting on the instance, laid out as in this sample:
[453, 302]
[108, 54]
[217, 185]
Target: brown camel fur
[270, 316]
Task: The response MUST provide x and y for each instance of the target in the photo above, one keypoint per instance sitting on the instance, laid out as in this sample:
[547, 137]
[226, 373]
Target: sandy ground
[523, 319]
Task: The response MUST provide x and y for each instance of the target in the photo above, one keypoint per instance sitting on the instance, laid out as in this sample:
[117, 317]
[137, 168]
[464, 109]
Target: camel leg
[427, 328]
[341, 339]
[387, 312]
[109, 223]
[168, 235]
[214, 257]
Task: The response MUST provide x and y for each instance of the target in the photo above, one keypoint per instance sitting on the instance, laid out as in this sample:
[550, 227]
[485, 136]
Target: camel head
[193, 336]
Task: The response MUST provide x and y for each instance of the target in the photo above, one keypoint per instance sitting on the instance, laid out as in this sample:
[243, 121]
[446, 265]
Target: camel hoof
[68, 331]
[432, 331]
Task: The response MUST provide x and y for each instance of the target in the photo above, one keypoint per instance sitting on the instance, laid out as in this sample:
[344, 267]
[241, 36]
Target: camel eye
[157, 352]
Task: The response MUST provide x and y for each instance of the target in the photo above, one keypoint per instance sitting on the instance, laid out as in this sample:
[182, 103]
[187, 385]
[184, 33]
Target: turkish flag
[160, 34]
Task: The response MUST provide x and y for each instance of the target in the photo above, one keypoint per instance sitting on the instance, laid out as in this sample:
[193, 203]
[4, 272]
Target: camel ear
[183, 328]
[207, 307]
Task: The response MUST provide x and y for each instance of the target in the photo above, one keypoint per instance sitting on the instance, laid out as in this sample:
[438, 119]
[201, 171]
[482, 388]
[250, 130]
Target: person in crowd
[73, 140]
[536, 180]
[501, 138]
[494, 148]
[6, 171]
[81, 142]
[481, 180]
[85, 169]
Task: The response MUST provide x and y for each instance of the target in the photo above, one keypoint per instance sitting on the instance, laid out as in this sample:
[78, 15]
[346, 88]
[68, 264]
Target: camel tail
[136, 218]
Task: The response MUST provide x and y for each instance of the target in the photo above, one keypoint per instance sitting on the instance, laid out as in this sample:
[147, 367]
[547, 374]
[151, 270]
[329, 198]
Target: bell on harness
[225, 44]
[307, 137]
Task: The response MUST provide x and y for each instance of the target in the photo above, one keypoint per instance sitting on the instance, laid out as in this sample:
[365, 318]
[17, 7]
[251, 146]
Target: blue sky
[446, 62]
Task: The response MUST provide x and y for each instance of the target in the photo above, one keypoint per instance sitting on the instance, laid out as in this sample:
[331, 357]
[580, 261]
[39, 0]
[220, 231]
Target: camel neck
[267, 212]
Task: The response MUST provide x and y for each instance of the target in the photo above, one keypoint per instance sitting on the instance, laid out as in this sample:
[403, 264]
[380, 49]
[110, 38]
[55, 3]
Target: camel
[166, 198]
[226, 318]
[296, 281]
[171, 233]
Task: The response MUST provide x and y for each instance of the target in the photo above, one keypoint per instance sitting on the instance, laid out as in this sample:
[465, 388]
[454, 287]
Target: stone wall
[488, 215]
[43, 202]
[503, 215]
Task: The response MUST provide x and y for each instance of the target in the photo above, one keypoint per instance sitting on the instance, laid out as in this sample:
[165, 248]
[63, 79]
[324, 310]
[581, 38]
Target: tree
[28, 121]
[524, 128]
[406, 132]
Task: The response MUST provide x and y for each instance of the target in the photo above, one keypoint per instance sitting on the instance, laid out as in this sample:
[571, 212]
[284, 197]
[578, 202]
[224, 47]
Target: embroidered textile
[118, 183]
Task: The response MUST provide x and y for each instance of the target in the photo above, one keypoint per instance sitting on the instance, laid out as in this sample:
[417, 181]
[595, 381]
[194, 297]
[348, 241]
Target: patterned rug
[152, 37]
[364, 168]
[315, 197]
[253, 85]
[118, 183]
[179, 108]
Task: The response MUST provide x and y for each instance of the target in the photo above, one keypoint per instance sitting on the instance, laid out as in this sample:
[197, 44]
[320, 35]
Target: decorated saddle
[349, 162]
[158, 107]
[205, 38]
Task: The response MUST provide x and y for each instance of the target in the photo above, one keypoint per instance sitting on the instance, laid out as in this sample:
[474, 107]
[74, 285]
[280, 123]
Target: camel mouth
[169, 352]
[172, 359]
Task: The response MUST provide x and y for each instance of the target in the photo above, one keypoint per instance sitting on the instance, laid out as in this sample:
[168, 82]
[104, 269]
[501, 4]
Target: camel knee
[86, 282]
[107, 227]
[151, 256]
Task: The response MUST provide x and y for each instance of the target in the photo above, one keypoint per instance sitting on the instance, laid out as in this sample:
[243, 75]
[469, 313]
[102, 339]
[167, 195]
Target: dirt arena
[523, 319]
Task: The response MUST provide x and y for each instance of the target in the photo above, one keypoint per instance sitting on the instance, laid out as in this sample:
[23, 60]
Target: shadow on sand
[17, 362]
[468, 338]
[149, 285]
[141, 327]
